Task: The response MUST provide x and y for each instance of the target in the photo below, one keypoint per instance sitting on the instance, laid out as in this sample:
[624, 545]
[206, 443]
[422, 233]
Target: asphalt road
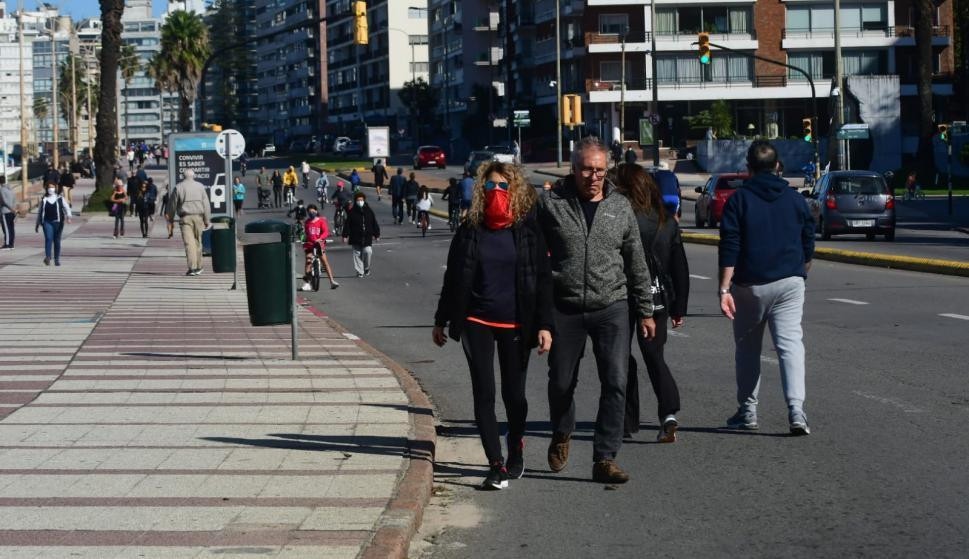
[883, 474]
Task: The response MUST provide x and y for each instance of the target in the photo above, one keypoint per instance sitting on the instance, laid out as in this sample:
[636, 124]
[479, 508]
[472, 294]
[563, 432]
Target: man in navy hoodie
[766, 245]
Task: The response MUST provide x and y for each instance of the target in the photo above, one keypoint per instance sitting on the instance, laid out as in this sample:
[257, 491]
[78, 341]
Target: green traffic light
[705, 59]
[807, 137]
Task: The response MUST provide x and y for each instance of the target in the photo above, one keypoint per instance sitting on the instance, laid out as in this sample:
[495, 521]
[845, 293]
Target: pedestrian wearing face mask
[52, 213]
[118, 206]
[361, 230]
[497, 294]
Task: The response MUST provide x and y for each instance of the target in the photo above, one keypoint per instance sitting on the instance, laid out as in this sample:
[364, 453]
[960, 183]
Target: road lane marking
[956, 316]
[848, 301]
[678, 334]
[350, 336]
[904, 406]
[698, 276]
[769, 359]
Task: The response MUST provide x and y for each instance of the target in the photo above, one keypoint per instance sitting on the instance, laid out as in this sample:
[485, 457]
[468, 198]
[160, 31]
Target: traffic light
[571, 109]
[703, 43]
[943, 132]
[212, 127]
[806, 124]
[361, 31]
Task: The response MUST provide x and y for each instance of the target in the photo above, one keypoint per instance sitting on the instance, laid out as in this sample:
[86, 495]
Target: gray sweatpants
[778, 305]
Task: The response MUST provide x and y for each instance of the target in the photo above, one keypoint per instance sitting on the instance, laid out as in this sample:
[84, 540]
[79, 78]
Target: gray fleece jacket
[594, 268]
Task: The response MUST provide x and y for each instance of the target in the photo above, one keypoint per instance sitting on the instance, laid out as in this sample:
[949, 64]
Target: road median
[874, 259]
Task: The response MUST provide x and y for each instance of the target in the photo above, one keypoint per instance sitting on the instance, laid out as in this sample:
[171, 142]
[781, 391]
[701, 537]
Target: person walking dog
[766, 246]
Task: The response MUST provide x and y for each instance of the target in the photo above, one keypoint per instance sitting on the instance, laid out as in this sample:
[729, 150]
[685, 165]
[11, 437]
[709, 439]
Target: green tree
[40, 108]
[72, 101]
[421, 100]
[106, 147]
[718, 116]
[185, 44]
[922, 13]
[130, 66]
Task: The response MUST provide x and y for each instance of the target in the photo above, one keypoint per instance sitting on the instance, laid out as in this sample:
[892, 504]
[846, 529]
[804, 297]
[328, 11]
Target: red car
[430, 156]
[709, 206]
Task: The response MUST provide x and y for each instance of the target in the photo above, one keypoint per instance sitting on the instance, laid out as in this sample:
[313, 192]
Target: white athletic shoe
[306, 286]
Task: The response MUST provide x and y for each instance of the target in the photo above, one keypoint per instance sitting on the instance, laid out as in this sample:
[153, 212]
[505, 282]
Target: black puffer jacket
[666, 245]
[361, 227]
[533, 280]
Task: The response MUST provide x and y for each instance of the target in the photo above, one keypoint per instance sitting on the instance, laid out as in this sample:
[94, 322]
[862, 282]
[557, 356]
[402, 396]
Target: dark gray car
[844, 202]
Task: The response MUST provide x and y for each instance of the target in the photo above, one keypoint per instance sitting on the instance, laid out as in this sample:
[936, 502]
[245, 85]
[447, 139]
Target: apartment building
[231, 84]
[52, 40]
[289, 72]
[88, 32]
[13, 56]
[877, 39]
[363, 81]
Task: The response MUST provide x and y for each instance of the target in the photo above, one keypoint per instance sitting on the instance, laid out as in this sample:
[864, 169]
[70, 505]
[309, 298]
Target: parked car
[853, 202]
[339, 143]
[353, 147]
[475, 159]
[268, 149]
[713, 195]
[429, 156]
[503, 153]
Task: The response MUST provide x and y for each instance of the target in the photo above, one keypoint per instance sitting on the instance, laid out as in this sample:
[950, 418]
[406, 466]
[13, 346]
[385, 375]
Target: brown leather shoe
[558, 451]
[607, 471]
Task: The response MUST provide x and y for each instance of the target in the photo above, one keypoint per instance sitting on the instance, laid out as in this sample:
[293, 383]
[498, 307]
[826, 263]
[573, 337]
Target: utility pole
[90, 120]
[558, 83]
[839, 112]
[53, 94]
[23, 104]
[652, 58]
[74, 128]
[622, 86]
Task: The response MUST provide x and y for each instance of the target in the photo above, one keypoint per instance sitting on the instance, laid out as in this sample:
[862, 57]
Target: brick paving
[142, 416]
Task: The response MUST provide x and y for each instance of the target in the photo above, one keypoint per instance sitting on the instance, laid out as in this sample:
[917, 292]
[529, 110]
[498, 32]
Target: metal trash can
[223, 244]
[269, 274]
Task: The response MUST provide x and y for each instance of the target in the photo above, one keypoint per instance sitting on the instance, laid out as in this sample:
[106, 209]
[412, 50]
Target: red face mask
[497, 213]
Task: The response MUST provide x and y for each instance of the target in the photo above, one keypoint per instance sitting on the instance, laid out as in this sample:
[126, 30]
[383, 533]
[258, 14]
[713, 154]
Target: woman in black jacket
[670, 274]
[497, 292]
[361, 230]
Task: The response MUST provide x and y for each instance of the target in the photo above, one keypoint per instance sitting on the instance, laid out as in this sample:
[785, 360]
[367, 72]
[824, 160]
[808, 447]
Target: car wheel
[699, 222]
[417, 167]
[870, 236]
[825, 233]
[711, 223]
[890, 236]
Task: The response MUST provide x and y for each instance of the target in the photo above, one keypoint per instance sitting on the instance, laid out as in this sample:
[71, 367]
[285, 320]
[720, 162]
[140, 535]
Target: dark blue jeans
[52, 238]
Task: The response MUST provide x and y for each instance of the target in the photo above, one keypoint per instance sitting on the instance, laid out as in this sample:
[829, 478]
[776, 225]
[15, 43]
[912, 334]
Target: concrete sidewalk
[144, 417]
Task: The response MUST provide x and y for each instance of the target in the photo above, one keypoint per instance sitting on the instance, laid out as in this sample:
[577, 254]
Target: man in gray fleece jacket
[598, 270]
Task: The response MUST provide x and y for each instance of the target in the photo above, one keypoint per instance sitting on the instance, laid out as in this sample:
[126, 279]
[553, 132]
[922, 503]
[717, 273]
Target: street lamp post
[652, 59]
[622, 86]
[558, 84]
[53, 95]
[23, 104]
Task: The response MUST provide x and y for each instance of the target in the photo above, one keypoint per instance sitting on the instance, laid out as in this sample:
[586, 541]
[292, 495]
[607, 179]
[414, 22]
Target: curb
[402, 517]
[878, 260]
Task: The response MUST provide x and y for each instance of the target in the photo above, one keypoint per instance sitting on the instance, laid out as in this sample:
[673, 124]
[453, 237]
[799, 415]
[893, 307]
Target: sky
[80, 9]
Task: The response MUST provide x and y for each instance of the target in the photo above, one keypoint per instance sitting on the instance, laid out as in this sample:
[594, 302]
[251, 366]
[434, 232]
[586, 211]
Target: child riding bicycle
[316, 231]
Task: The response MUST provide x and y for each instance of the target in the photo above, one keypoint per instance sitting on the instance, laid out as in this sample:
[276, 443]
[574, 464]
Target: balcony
[682, 88]
[490, 59]
[611, 42]
[684, 40]
[489, 22]
[871, 36]
[905, 35]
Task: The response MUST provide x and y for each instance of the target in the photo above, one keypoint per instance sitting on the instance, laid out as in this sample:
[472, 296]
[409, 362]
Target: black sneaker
[516, 459]
[497, 478]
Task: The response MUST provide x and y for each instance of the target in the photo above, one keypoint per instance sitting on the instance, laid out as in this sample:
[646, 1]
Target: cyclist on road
[290, 180]
[305, 169]
[355, 180]
[379, 176]
[317, 231]
[424, 203]
[323, 187]
[342, 198]
[453, 196]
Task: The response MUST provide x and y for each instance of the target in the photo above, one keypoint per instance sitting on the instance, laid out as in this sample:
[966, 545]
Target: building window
[418, 66]
[712, 19]
[417, 13]
[686, 69]
[613, 24]
[417, 39]
[854, 17]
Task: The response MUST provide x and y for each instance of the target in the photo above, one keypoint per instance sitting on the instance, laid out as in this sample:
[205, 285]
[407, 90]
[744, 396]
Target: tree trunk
[127, 133]
[184, 114]
[923, 12]
[106, 145]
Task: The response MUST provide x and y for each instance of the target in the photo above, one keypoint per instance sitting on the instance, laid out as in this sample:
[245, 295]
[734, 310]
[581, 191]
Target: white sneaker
[429, 227]
[306, 286]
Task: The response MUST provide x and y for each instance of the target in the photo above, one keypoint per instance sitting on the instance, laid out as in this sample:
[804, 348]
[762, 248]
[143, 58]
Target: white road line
[771, 360]
[956, 316]
[698, 276]
[848, 301]
[900, 404]
[677, 334]
[350, 336]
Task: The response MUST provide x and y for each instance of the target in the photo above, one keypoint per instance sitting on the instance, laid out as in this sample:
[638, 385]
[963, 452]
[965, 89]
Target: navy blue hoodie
[767, 232]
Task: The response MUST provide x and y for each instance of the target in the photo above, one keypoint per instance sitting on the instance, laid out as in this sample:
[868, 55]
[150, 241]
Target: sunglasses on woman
[491, 185]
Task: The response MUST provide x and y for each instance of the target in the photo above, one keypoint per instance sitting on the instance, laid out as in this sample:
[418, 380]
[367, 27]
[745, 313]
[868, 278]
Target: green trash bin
[223, 245]
[269, 274]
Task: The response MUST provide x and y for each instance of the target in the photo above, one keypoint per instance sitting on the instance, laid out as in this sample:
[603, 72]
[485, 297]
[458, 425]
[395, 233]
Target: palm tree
[105, 150]
[40, 108]
[129, 67]
[71, 101]
[165, 80]
[185, 45]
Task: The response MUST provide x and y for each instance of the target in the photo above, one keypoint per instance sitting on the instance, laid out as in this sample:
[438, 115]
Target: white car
[503, 154]
[340, 143]
[269, 148]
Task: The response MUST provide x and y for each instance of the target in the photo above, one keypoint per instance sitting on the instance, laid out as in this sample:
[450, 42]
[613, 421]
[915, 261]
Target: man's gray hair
[587, 143]
[189, 174]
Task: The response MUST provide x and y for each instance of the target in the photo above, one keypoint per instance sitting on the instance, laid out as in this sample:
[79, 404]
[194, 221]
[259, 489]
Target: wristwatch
[723, 291]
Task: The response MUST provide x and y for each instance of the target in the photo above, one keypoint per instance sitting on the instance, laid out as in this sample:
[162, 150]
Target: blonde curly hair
[522, 195]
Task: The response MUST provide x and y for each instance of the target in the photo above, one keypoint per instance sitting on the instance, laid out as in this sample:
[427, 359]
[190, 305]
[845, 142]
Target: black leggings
[479, 343]
[667, 393]
[277, 196]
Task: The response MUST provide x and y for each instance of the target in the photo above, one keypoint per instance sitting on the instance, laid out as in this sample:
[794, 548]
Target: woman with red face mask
[497, 293]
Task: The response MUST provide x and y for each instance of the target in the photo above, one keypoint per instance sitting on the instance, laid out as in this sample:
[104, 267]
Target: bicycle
[316, 268]
[454, 217]
[915, 194]
[424, 221]
[290, 197]
[339, 218]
